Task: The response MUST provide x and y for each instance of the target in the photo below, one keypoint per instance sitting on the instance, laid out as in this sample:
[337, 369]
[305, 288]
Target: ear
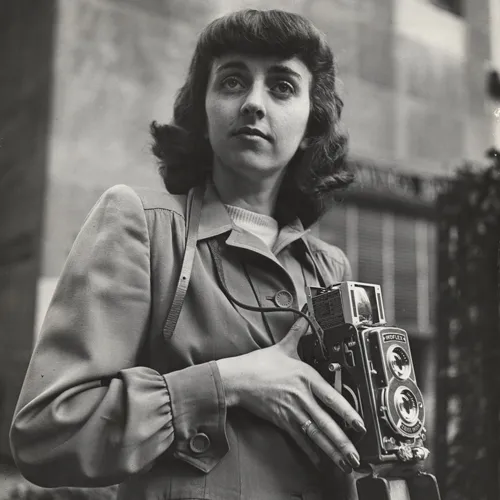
[304, 143]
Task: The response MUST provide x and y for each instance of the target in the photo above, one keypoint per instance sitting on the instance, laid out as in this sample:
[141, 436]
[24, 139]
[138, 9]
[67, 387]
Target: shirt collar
[215, 220]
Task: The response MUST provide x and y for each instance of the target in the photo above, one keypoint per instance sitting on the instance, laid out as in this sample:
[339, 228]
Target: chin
[251, 161]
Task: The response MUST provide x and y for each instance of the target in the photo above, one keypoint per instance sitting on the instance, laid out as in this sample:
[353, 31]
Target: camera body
[371, 365]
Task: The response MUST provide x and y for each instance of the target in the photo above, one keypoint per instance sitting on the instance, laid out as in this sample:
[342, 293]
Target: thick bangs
[254, 32]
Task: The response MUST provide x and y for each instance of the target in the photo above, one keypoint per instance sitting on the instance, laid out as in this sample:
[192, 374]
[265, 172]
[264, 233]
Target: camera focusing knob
[334, 367]
[405, 453]
[420, 453]
[389, 443]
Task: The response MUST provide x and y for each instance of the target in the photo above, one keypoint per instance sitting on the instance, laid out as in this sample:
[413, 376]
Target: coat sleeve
[87, 415]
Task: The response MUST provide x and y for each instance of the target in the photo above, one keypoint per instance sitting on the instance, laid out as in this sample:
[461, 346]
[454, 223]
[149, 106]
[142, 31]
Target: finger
[307, 446]
[334, 400]
[331, 432]
[312, 433]
[298, 329]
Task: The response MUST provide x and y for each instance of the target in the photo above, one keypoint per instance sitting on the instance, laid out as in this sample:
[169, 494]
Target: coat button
[283, 298]
[199, 443]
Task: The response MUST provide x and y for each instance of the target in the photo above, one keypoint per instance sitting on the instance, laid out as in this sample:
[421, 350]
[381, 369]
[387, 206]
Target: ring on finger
[305, 426]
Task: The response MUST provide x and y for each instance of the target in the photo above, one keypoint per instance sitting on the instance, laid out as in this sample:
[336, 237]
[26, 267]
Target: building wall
[495, 61]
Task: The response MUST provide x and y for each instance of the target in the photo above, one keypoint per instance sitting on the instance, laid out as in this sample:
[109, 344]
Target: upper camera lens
[399, 362]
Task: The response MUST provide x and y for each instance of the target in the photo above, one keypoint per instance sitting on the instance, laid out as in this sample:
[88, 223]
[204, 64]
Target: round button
[199, 443]
[283, 298]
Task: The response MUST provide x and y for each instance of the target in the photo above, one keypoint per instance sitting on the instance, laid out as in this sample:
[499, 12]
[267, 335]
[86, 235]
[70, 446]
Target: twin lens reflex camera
[371, 365]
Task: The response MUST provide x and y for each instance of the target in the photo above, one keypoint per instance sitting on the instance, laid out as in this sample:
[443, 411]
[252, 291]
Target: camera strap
[194, 204]
[319, 271]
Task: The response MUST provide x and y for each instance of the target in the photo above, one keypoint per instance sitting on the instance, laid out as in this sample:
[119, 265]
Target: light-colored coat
[106, 400]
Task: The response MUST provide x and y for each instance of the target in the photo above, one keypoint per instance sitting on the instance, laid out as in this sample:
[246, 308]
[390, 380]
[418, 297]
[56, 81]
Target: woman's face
[257, 111]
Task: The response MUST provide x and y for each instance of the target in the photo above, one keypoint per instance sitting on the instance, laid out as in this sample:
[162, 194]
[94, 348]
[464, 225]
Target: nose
[254, 103]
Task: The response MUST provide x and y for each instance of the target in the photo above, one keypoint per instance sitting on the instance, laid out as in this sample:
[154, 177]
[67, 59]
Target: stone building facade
[94, 73]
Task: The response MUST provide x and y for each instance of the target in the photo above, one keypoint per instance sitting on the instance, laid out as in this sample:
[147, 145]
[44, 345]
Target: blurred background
[81, 80]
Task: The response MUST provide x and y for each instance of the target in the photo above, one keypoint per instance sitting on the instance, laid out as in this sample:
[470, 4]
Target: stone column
[26, 48]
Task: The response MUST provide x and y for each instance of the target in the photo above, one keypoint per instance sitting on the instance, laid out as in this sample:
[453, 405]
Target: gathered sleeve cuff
[198, 414]
[87, 415]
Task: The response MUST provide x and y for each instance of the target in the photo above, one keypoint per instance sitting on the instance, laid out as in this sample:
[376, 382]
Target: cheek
[303, 119]
[218, 124]
[211, 114]
[296, 121]
[218, 113]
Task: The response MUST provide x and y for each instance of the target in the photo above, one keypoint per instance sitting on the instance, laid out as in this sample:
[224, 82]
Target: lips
[252, 131]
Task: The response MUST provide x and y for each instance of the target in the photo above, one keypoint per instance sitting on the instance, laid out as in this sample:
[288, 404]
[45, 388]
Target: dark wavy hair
[183, 150]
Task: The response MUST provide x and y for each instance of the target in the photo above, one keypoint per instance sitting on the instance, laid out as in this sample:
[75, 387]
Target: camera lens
[399, 362]
[406, 405]
[403, 406]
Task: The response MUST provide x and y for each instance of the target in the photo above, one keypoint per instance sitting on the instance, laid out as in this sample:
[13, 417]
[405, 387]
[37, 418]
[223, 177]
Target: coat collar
[215, 221]
[214, 217]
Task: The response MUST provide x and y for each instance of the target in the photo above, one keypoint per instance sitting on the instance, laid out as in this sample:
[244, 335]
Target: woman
[222, 408]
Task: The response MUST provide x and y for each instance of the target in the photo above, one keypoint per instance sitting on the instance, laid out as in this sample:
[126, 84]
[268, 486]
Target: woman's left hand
[275, 384]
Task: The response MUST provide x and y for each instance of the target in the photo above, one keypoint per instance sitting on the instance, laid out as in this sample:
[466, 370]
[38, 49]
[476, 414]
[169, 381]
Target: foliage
[468, 425]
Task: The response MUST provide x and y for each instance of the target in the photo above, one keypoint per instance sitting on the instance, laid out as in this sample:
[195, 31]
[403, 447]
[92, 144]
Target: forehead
[260, 63]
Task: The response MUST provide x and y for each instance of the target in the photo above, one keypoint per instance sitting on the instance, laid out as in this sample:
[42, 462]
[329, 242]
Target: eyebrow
[231, 65]
[275, 68]
[282, 68]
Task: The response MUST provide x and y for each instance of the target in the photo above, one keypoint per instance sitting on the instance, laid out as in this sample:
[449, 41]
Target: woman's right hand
[274, 384]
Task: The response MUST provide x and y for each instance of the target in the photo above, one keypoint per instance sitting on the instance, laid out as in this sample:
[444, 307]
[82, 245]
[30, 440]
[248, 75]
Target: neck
[257, 196]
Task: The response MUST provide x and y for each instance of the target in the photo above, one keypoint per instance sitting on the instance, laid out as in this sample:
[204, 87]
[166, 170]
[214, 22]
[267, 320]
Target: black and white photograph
[250, 250]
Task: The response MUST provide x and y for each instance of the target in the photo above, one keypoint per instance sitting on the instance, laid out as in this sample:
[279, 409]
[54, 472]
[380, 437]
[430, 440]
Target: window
[394, 251]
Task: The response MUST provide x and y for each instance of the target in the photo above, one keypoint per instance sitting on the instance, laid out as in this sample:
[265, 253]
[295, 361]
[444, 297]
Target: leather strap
[319, 270]
[193, 214]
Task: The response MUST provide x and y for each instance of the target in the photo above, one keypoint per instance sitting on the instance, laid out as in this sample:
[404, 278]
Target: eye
[231, 83]
[284, 88]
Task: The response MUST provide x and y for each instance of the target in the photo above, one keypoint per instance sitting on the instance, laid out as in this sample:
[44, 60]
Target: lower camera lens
[403, 406]
[406, 405]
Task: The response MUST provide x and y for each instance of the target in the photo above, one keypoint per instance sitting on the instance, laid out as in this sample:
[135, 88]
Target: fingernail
[345, 466]
[358, 426]
[353, 460]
